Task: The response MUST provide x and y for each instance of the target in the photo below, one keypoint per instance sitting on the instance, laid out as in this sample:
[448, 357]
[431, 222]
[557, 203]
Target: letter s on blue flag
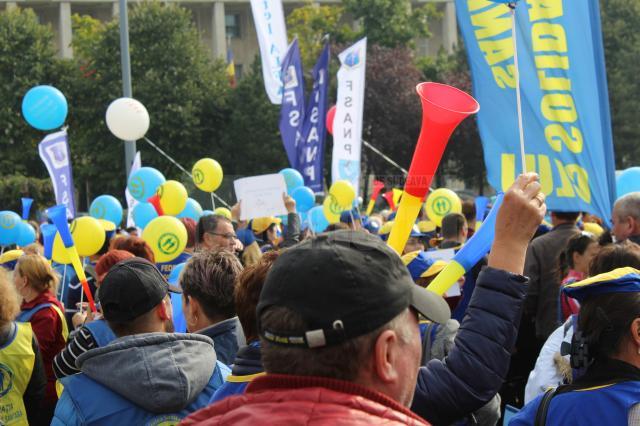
[292, 108]
[311, 148]
[54, 152]
[565, 104]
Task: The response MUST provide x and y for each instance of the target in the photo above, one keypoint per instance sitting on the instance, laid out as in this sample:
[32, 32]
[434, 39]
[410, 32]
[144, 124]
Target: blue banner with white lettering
[311, 148]
[292, 108]
[54, 152]
[566, 119]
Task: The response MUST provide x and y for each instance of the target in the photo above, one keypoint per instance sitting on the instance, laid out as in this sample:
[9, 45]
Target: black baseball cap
[343, 284]
[132, 288]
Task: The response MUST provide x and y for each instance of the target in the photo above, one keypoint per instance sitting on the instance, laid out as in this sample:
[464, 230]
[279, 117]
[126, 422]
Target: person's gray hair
[343, 361]
[628, 205]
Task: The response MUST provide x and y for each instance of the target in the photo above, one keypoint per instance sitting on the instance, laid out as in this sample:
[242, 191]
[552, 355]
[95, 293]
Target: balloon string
[213, 202]
[64, 280]
[82, 288]
[175, 163]
[523, 157]
[2, 250]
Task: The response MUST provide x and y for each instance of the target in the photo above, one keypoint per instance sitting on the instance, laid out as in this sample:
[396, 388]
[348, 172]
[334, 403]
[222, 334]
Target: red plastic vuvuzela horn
[443, 109]
[155, 202]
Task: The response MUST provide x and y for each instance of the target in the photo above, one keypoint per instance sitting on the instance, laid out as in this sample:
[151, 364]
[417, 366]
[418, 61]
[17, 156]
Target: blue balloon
[58, 215]
[304, 197]
[48, 235]
[179, 321]
[26, 207]
[207, 212]
[143, 213]
[9, 227]
[144, 182]
[26, 234]
[480, 243]
[317, 220]
[174, 276]
[292, 178]
[481, 207]
[628, 181]
[192, 210]
[44, 107]
[106, 207]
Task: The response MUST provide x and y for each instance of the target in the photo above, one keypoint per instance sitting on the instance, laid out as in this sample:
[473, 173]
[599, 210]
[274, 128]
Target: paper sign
[261, 196]
[447, 256]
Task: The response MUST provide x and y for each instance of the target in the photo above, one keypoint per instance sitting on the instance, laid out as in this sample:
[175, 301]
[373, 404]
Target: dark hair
[336, 227]
[208, 223]
[452, 224]
[135, 245]
[469, 211]
[209, 276]
[615, 256]
[190, 226]
[247, 293]
[605, 320]
[577, 244]
[567, 216]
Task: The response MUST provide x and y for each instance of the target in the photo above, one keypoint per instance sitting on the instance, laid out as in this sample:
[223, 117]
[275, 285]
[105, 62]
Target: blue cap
[345, 216]
[373, 226]
[415, 232]
[621, 280]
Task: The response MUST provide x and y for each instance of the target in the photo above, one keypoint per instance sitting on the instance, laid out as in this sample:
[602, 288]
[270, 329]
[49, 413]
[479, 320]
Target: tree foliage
[620, 23]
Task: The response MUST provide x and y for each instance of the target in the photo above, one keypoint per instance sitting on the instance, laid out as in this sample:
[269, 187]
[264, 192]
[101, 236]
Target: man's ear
[385, 351]
[164, 310]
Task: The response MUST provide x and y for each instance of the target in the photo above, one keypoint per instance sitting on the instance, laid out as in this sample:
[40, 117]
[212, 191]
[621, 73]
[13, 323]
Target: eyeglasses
[228, 236]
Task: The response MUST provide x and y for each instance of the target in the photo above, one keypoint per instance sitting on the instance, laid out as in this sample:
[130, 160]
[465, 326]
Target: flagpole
[516, 73]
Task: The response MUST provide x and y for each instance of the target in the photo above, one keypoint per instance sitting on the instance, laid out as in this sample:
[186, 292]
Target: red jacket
[47, 326]
[296, 400]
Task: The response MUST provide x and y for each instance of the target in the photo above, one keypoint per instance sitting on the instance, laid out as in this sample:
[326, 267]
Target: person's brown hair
[469, 211]
[209, 276]
[9, 304]
[107, 261]
[39, 273]
[134, 245]
[247, 293]
[615, 256]
[342, 361]
[190, 226]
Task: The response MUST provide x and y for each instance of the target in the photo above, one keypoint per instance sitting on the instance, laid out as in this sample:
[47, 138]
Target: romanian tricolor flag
[231, 67]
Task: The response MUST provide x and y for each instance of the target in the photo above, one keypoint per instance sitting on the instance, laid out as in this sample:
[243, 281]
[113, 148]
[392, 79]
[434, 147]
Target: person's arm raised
[521, 213]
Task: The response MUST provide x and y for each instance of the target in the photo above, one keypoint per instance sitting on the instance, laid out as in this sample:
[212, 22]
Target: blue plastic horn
[48, 235]
[26, 207]
[58, 216]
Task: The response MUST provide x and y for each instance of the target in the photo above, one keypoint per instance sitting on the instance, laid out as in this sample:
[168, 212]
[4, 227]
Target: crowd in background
[258, 322]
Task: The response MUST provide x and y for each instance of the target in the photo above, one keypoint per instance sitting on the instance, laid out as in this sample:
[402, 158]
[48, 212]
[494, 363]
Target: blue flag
[566, 119]
[292, 109]
[54, 152]
[311, 148]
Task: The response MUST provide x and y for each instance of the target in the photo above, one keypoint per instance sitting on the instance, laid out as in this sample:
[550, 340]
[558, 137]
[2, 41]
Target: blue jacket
[246, 367]
[143, 379]
[227, 337]
[477, 365]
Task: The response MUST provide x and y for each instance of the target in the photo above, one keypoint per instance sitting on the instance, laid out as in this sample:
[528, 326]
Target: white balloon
[127, 119]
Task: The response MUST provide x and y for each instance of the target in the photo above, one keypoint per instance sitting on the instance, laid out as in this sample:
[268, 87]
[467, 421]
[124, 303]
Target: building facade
[218, 22]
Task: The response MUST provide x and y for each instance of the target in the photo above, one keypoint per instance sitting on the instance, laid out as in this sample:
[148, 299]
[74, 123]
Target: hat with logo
[421, 265]
[385, 230]
[343, 284]
[132, 288]
[9, 258]
[349, 216]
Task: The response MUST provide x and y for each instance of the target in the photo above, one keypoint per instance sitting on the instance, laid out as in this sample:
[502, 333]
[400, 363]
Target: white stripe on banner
[131, 202]
[347, 124]
[268, 18]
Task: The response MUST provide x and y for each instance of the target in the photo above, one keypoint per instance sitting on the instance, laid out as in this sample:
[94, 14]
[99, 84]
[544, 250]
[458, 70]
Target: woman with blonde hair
[36, 282]
[22, 377]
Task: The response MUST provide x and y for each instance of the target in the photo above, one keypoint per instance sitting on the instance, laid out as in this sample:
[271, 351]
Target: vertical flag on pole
[131, 202]
[268, 18]
[347, 125]
[54, 152]
[311, 148]
[292, 109]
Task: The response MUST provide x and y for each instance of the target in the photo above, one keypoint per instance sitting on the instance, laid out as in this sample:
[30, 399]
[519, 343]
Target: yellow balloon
[166, 236]
[343, 192]
[207, 174]
[332, 209]
[173, 197]
[223, 211]
[88, 235]
[440, 203]
[59, 253]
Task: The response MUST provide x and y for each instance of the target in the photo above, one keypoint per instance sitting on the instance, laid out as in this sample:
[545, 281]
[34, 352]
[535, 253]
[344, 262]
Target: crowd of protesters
[258, 322]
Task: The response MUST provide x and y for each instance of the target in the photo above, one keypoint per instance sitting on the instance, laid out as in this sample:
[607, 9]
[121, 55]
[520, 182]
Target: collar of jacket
[565, 225]
[271, 382]
[248, 361]
[219, 328]
[602, 373]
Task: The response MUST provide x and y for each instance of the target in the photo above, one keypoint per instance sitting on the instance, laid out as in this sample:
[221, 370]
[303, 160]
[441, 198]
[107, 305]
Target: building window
[232, 23]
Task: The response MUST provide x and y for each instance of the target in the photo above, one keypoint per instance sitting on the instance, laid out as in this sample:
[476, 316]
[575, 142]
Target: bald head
[626, 216]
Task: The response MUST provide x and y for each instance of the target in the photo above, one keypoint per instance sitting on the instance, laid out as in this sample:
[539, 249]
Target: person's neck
[206, 322]
[30, 294]
[558, 222]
